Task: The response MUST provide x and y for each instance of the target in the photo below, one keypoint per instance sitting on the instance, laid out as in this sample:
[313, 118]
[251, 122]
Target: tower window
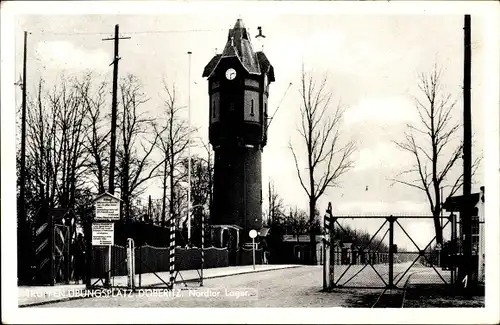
[213, 109]
[265, 109]
[251, 109]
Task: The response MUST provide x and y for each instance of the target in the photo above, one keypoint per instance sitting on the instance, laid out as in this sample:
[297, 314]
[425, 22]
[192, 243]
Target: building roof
[456, 203]
[106, 194]
[264, 232]
[227, 226]
[302, 238]
[239, 46]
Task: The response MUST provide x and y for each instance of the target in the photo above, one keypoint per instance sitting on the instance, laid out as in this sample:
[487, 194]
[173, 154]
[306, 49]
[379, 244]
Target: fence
[245, 256]
[155, 260]
[389, 257]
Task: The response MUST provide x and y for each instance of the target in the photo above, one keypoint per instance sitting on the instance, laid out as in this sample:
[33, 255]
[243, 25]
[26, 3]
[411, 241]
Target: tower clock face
[230, 74]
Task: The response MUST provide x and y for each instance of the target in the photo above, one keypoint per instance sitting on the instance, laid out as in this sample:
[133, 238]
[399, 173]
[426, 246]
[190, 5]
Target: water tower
[238, 87]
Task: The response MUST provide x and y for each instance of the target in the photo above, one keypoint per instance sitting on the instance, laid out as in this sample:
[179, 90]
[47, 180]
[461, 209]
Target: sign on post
[253, 234]
[107, 208]
[107, 211]
[103, 234]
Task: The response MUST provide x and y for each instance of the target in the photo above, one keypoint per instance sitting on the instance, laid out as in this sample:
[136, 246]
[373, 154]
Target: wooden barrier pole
[202, 247]
[172, 252]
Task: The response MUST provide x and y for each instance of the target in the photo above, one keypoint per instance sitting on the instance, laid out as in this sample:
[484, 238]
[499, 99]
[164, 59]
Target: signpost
[107, 211]
[253, 234]
[107, 208]
[103, 234]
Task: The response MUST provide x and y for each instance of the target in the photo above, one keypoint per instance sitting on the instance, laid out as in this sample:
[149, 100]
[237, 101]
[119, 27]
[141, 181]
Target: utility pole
[466, 213]
[22, 235]
[189, 152]
[112, 158]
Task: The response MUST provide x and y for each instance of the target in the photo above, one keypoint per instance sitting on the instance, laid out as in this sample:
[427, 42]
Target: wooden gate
[56, 248]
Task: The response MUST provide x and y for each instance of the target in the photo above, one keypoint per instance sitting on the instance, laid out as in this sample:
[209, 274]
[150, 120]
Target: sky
[371, 61]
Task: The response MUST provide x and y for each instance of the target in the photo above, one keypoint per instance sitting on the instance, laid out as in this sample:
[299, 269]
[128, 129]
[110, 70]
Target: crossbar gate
[374, 261]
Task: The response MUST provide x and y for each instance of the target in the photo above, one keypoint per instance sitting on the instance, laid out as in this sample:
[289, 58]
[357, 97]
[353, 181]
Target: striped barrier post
[202, 247]
[129, 263]
[132, 251]
[172, 252]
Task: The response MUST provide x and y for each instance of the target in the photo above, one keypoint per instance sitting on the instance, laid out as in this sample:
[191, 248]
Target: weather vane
[260, 36]
[260, 33]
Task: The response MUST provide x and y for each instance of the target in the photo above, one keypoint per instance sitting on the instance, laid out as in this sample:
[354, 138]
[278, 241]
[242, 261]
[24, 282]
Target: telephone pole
[23, 235]
[466, 217]
[112, 158]
[189, 152]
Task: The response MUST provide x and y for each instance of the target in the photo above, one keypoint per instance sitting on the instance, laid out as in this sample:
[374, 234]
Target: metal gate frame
[61, 252]
[393, 281]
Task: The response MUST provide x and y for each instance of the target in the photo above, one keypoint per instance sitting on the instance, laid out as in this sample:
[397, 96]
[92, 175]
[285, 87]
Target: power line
[165, 31]
[133, 32]
[277, 108]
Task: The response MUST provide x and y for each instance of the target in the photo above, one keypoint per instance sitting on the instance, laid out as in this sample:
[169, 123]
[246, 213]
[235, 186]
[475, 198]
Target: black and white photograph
[255, 162]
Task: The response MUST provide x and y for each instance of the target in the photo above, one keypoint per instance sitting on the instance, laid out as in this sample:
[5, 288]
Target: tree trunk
[172, 189]
[437, 226]
[164, 197]
[312, 237]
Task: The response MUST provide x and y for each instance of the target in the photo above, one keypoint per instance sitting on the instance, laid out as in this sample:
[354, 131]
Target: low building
[301, 247]
[475, 201]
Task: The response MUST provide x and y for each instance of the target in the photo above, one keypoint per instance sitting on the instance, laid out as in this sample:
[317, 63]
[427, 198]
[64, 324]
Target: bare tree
[298, 222]
[57, 159]
[97, 133]
[275, 204]
[209, 162]
[327, 159]
[173, 142]
[136, 146]
[55, 138]
[437, 147]
[37, 134]
[68, 133]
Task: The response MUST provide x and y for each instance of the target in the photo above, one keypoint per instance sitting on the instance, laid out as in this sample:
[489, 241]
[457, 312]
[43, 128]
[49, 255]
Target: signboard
[107, 208]
[103, 234]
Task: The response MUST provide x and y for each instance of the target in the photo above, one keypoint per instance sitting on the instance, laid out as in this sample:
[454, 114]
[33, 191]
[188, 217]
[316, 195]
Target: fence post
[331, 258]
[133, 264]
[51, 248]
[129, 262]
[140, 265]
[453, 248]
[391, 252]
[88, 248]
[202, 246]
[326, 264]
[68, 253]
[172, 252]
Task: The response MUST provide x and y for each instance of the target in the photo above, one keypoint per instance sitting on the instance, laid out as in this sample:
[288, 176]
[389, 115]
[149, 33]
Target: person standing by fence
[265, 252]
[79, 256]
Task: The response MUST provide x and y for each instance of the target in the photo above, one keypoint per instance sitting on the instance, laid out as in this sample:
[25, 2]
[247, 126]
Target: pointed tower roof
[238, 45]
